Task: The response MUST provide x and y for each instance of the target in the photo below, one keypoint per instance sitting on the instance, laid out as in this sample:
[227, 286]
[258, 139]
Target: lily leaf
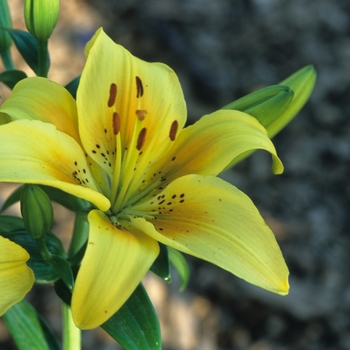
[28, 328]
[43, 272]
[161, 266]
[14, 197]
[27, 45]
[62, 268]
[135, 326]
[10, 223]
[72, 86]
[11, 77]
[181, 266]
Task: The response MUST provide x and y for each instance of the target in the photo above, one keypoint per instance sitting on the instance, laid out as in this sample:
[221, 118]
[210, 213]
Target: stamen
[116, 123]
[141, 139]
[139, 87]
[141, 114]
[112, 95]
[173, 130]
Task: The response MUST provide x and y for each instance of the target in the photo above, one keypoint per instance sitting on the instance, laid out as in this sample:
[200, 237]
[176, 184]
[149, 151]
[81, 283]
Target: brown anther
[173, 130]
[116, 123]
[139, 87]
[141, 114]
[112, 95]
[141, 139]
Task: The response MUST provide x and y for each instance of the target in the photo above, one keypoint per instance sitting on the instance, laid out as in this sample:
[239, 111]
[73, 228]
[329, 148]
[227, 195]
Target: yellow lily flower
[122, 146]
[16, 278]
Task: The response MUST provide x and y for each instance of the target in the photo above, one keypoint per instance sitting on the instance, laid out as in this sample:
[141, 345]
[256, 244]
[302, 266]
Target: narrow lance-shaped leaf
[28, 328]
[161, 266]
[27, 46]
[43, 272]
[11, 77]
[181, 266]
[135, 326]
[62, 268]
[13, 198]
[72, 86]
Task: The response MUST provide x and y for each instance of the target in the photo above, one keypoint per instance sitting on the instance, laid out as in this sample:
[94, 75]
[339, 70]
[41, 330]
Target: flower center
[132, 143]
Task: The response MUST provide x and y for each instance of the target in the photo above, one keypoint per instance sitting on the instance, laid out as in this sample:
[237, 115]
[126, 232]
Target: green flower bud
[302, 83]
[41, 17]
[5, 22]
[266, 105]
[36, 211]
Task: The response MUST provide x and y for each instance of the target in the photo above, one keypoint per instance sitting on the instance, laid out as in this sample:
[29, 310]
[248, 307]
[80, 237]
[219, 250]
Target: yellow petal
[35, 152]
[16, 278]
[113, 265]
[209, 145]
[41, 99]
[120, 94]
[211, 219]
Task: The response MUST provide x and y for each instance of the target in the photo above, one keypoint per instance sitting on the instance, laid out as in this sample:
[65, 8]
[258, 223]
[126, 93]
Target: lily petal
[113, 265]
[211, 219]
[41, 99]
[16, 278]
[210, 144]
[125, 97]
[36, 152]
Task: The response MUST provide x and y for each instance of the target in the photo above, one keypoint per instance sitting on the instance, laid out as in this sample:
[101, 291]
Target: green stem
[42, 58]
[7, 59]
[71, 333]
[42, 246]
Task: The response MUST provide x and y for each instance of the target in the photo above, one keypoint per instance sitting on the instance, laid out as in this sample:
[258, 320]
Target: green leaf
[28, 328]
[135, 326]
[161, 266]
[72, 86]
[181, 266]
[14, 197]
[27, 46]
[44, 273]
[10, 223]
[62, 268]
[62, 291]
[11, 77]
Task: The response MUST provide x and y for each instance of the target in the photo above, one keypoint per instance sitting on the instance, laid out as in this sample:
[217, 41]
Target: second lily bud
[36, 211]
[41, 17]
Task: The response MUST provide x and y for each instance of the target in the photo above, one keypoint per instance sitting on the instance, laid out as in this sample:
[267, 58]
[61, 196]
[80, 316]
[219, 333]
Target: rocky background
[222, 50]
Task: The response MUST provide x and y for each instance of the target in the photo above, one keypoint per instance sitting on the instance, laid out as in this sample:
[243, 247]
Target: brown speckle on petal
[116, 123]
[173, 130]
[141, 139]
[112, 95]
[139, 87]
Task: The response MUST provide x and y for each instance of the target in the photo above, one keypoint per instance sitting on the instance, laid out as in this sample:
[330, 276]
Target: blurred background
[222, 50]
